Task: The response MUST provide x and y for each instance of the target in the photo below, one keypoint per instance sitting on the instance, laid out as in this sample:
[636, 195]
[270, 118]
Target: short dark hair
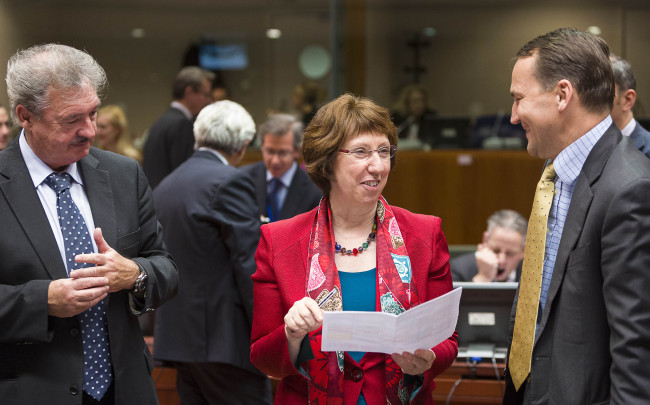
[279, 125]
[190, 76]
[579, 57]
[623, 75]
[337, 121]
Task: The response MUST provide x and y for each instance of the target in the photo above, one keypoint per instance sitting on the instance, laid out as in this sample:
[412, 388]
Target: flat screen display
[223, 56]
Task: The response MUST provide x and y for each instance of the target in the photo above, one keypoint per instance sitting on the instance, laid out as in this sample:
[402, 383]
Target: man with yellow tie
[581, 320]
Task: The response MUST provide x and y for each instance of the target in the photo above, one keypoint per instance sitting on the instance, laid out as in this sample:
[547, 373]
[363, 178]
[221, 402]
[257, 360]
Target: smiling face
[360, 181]
[536, 109]
[63, 133]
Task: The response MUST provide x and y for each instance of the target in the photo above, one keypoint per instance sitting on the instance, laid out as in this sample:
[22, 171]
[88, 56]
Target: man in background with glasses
[282, 188]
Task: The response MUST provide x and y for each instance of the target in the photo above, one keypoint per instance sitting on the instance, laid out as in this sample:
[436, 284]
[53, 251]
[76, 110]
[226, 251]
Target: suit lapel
[18, 189]
[100, 197]
[577, 214]
[258, 175]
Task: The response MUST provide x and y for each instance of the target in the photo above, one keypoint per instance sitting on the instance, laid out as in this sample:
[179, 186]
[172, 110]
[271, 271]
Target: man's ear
[629, 98]
[564, 93]
[25, 117]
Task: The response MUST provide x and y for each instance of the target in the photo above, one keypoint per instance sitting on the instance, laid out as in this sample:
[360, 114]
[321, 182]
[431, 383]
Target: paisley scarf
[396, 294]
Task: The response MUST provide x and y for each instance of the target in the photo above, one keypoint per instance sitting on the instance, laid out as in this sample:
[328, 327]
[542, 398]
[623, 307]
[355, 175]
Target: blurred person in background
[498, 257]
[5, 127]
[112, 133]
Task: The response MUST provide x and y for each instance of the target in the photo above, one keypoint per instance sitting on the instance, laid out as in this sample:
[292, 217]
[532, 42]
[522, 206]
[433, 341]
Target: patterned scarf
[396, 294]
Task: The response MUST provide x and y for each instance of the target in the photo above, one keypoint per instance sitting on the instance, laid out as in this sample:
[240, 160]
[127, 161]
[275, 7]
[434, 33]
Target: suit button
[74, 332]
[356, 374]
[74, 390]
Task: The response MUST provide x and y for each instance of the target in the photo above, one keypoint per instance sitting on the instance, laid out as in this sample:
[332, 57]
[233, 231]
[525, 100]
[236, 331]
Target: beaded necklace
[339, 249]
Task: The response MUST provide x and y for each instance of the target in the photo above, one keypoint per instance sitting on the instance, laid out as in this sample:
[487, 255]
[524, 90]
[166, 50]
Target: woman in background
[352, 252]
[112, 134]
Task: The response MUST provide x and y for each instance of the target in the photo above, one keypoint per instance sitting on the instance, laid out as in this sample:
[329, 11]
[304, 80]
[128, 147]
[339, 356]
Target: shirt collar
[38, 170]
[286, 177]
[179, 106]
[568, 164]
[629, 128]
[216, 153]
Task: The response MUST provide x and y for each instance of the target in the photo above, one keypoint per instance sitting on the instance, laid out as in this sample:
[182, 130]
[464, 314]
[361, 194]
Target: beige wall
[468, 61]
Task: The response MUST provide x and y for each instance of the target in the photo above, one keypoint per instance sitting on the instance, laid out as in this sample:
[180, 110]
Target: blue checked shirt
[567, 165]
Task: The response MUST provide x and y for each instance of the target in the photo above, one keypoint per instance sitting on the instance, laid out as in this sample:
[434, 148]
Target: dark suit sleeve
[23, 312]
[162, 282]
[235, 212]
[625, 261]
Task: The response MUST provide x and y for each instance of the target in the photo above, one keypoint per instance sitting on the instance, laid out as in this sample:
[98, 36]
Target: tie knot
[549, 173]
[59, 182]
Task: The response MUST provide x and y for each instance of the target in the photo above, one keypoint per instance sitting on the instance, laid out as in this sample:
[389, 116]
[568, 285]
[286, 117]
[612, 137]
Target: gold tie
[531, 280]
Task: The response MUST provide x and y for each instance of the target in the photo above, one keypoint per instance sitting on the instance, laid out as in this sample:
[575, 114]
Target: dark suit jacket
[302, 196]
[592, 345]
[212, 228]
[282, 271]
[41, 356]
[641, 139]
[464, 268]
[170, 142]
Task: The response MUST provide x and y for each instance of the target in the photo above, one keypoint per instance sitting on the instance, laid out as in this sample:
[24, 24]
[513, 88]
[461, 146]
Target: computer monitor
[484, 317]
[446, 132]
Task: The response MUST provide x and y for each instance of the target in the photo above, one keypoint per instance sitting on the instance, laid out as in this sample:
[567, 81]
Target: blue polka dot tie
[76, 240]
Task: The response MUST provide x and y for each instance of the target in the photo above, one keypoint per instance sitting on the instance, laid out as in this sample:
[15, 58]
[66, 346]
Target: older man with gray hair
[82, 252]
[498, 257]
[208, 210]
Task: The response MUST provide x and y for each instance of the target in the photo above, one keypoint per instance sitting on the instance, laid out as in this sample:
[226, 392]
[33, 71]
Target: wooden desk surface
[473, 385]
[463, 187]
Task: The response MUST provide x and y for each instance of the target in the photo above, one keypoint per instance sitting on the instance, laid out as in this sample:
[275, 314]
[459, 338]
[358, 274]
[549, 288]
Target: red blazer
[280, 280]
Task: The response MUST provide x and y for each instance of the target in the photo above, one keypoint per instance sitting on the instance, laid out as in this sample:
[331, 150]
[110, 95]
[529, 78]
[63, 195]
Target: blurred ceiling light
[138, 33]
[273, 33]
[594, 29]
[429, 31]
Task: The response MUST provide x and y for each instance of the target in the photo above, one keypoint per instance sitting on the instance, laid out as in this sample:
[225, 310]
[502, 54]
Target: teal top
[359, 292]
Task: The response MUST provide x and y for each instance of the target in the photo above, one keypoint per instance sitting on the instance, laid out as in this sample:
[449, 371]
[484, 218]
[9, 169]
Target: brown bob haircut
[581, 58]
[343, 118]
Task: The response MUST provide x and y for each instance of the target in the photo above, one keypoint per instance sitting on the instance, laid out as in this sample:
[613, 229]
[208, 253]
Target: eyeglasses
[384, 152]
[282, 154]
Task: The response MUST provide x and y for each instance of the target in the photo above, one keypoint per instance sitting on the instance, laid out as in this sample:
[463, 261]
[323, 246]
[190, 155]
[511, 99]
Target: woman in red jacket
[353, 252]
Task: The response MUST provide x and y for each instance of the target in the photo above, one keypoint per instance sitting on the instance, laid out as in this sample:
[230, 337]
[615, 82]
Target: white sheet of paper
[421, 327]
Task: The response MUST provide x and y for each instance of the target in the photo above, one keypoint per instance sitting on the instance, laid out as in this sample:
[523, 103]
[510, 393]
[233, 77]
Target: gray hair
[281, 124]
[623, 76]
[33, 72]
[192, 76]
[225, 126]
[508, 219]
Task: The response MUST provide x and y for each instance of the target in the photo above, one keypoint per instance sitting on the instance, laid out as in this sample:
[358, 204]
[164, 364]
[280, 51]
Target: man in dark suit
[499, 256]
[282, 188]
[208, 210]
[171, 140]
[583, 338]
[55, 311]
[624, 100]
